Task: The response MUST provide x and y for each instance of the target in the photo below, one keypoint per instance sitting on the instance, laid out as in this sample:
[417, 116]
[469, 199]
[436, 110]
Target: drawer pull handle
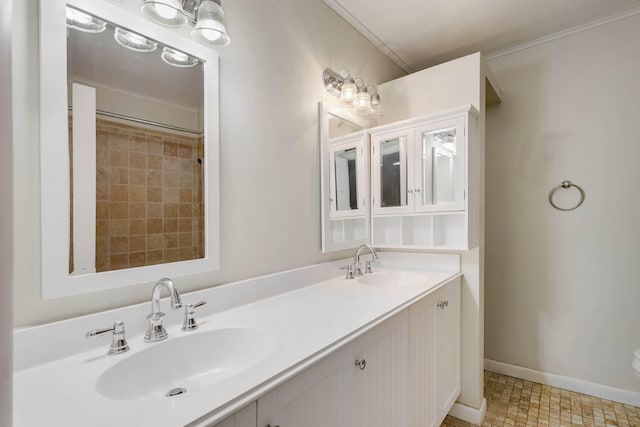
[269, 425]
[361, 364]
[443, 304]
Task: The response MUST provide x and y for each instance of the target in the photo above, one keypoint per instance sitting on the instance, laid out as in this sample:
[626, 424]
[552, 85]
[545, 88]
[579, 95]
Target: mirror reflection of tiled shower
[149, 197]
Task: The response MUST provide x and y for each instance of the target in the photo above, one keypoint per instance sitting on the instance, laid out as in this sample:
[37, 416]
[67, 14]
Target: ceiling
[420, 33]
[97, 59]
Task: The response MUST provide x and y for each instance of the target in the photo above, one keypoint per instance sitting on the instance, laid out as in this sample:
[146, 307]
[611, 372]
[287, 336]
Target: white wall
[563, 288]
[6, 221]
[436, 89]
[270, 183]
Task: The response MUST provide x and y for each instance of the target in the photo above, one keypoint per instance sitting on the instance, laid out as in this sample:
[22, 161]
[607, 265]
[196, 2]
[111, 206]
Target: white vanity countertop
[306, 324]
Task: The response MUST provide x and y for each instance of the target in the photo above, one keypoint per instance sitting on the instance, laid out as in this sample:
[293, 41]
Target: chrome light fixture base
[364, 100]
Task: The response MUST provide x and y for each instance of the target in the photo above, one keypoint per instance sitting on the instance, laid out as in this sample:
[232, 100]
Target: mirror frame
[325, 168]
[56, 281]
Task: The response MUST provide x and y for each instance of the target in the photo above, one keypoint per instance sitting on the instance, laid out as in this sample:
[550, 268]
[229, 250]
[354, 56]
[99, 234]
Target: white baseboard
[573, 384]
[469, 414]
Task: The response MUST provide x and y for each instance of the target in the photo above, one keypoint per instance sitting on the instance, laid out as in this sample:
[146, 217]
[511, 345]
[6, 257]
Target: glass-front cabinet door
[393, 172]
[439, 166]
[347, 178]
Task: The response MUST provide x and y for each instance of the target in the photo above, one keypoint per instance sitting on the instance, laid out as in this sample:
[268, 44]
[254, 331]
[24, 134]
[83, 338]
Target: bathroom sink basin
[186, 364]
[393, 279]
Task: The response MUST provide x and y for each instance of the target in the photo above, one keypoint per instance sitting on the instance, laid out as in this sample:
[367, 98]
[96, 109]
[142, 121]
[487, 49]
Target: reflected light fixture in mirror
[84, 22]
[205, 16]
[133, 41]
[177, 58]
[364, 100]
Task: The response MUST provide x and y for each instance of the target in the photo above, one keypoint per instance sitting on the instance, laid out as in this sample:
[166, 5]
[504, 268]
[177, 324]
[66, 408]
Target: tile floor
[515, 402]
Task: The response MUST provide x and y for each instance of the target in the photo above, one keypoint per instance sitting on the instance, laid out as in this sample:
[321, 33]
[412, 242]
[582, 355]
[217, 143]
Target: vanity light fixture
[205, 16]
[210, 28]
[362, 103]
[349, 89]
[364, 100]
[84, 22]
[177, 58]
[133, 41]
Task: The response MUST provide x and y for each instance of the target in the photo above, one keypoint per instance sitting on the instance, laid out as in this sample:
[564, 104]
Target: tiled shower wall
[149, 197]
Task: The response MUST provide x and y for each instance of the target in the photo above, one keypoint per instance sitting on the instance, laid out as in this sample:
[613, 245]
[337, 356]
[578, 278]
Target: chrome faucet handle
[368, 269]
[189, 323]
[349, 268]
[118, 342]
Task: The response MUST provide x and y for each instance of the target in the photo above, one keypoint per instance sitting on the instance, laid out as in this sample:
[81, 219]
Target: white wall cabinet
[434, 356]
[344, 175]
[403, 373]
[424, 175]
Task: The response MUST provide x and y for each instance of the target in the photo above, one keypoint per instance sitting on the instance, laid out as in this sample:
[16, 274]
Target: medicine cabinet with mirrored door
[344, 149]
[421, 173]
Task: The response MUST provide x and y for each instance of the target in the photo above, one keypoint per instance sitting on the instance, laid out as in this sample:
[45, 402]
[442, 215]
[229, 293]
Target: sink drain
[176, 391]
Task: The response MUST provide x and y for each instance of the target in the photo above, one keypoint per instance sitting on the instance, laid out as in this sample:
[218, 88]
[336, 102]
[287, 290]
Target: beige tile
[154, 194]
[170, 149]
[137, 177]
[154, 226]
[138, 193]
[170, 240]
[119, 244]
[119, 158]
[137, 210]
[137, 160]
[170, 210]
[155, 242]
[137, 259]
[137, 226]
[154, 178]
[154, 161]
[186, 210]
[119, 193]
[137, 243]
[170, 225]
[119, 175]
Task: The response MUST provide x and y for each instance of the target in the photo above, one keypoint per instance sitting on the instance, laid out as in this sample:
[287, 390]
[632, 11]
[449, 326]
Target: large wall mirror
[129, 146]
[344, 164]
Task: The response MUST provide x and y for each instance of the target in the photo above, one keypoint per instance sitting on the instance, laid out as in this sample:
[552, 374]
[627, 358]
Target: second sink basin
[395, 279]
[185, 364]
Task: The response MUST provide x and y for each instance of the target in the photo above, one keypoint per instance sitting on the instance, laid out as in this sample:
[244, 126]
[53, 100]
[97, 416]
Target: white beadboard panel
[377, 394]
[422, 411]
[447, 320]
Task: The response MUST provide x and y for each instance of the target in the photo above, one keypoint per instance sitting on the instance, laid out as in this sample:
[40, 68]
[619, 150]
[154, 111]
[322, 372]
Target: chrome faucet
[156, 331]
[356, 259]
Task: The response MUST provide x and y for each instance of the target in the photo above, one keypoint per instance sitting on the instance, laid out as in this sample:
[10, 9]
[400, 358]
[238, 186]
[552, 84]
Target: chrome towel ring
[566, 184]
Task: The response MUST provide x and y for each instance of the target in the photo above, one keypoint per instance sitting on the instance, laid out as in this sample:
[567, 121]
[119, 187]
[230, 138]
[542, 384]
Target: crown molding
[564, 33]
[362, 29]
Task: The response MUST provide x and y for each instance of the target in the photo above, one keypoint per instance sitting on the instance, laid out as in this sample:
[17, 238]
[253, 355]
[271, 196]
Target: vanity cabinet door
[392, 168]
[311, 399]
[375, 376]
[434, 356]
[439, 166]
[447, 346]
[244, 418]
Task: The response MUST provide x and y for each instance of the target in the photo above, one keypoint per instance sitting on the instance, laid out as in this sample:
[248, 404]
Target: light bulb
[165, 11]
[348, 91]
[211, 35]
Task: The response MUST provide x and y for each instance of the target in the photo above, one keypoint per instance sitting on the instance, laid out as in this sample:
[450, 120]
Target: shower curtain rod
[143, 121]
